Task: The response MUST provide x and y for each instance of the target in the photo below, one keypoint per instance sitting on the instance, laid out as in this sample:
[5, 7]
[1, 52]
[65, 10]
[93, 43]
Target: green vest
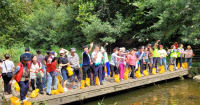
[173, 54]
[156, 53]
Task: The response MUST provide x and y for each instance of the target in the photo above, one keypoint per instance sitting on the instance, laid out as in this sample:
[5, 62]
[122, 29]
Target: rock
[197, 78]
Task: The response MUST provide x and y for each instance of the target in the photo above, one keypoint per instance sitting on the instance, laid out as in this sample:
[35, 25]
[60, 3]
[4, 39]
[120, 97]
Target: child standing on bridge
[132, 62]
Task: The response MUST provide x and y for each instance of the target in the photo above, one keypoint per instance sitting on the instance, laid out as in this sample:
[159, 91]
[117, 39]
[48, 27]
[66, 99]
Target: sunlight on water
[175, 92]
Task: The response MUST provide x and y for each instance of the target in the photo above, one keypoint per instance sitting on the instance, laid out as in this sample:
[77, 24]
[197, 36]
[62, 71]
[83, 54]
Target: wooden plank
[93, 91]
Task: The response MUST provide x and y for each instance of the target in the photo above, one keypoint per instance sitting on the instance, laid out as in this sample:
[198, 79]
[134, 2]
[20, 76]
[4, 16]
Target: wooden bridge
[108, 87]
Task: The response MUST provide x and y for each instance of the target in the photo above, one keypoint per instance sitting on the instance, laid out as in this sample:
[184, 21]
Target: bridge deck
[93, 91]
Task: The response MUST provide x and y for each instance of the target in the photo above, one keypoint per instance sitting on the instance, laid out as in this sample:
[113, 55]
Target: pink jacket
[132, 59]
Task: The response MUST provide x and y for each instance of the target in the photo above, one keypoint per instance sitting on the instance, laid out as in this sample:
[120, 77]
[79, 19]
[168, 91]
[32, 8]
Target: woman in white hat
[188, 55]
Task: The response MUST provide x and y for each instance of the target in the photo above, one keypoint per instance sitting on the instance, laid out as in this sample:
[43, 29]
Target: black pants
[133, 71]
[114, 69]
[6, 80]
[86, 70]
[103, 72]
[39, 84]
[179, 59]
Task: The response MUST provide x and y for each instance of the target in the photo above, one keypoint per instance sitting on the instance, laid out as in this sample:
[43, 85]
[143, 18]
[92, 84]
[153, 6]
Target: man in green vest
[156, 55]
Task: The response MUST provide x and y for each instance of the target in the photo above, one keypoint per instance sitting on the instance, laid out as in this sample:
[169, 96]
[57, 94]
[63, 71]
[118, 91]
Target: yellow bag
[87, 81]
[116, 78]
[27, 103]
[105, 69]
[59, 79]
[138, 74]
[97, 81]
[34, 93]
[70, 71]
[82, 84]
[162, 69]
[178, 66]
[17, 88]
[145, 72]
[151, 64]
[186, 65]
[126, 74]
[154, 71]
[54, 92]
[171, 68]
[60, 89]
[183, 66]
[15, 101]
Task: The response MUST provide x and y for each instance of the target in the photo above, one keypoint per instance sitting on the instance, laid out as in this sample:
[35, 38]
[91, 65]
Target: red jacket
[150, 51]
[20, 72]
[51, 66]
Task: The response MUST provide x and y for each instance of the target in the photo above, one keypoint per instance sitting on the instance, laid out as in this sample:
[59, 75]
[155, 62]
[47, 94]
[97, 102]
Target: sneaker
[65, 89]
[24, 100]
[112, 80]
[143, 75]
[73, 87]
[181, 68]
[104, 80]
[121, 79]
[49, 94]
[101, 83]
[190, 67]
[176, 68]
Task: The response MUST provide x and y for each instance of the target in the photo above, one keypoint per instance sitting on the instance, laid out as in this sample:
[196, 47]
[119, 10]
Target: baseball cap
[73, 49]
[25, 58]
[127, 51]
[52, 52]
[161, 46]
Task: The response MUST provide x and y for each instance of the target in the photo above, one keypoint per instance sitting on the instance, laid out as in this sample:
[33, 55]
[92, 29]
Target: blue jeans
[24, 86]
[49, 82]
[189, 60]
[44, 79]
[163, 60]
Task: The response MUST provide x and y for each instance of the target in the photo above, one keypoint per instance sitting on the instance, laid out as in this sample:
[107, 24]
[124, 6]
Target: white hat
[102, 49]
[62, 51]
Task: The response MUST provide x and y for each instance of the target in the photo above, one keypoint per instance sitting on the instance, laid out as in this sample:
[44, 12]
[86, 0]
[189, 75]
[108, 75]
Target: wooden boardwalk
[108, 87]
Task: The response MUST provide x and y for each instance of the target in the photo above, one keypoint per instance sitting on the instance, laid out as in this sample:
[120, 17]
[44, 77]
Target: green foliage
[45, 23]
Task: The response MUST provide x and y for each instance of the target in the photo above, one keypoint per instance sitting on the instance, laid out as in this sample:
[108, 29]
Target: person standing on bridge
[44, 79]
[180, 55]
[156, 55]
[188, 55]
[173, 57]
[63, 63]
[97, 58]
[140, 59]
[105, 62]
[86, 62]
[35, 74]
[163, 55]
[22, 76]
[132, 62]
[7, 73]
[51, 72]
[114, 64]
[74, 63]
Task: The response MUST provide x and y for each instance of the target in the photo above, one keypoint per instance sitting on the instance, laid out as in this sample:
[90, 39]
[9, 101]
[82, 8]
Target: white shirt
[99, 57]
[7, 64]
[113, 60]
[33, 67]
[162, 52]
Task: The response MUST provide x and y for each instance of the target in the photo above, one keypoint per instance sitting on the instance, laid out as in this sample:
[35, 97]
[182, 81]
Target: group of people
[33, 68]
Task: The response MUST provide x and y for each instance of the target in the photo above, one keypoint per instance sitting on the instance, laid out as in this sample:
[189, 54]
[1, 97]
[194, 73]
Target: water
[173, 92]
